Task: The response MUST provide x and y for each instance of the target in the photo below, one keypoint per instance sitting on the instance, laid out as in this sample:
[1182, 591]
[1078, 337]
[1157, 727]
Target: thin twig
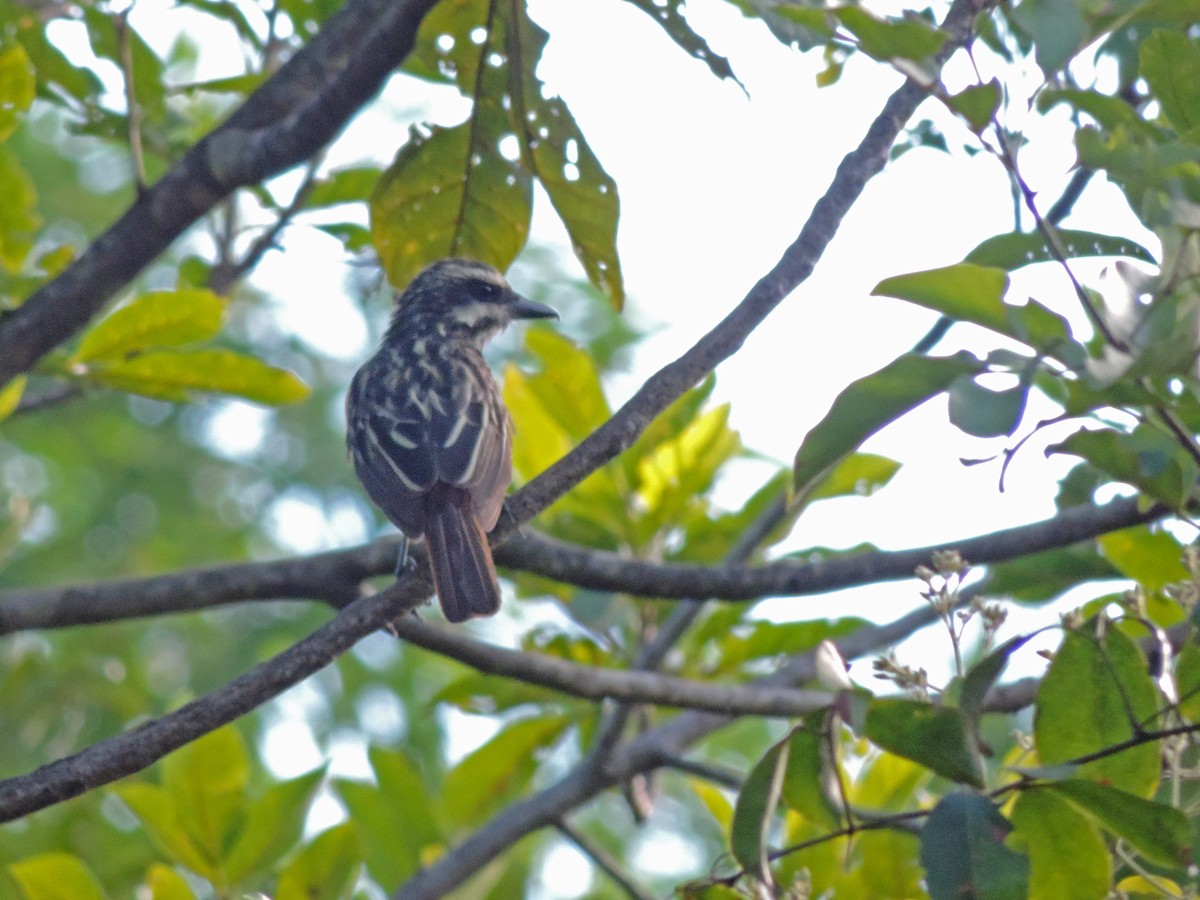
[605, 861]
[134, 110]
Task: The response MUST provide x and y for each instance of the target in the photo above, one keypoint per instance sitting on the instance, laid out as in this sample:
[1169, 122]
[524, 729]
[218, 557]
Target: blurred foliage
[191, 426]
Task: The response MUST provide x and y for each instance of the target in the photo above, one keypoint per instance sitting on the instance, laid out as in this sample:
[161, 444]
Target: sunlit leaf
[965, 292]
[449, 192]
[19, 220]
[1153, 559]
[156, 319]
[57, 876]
[1068, 859]
[964, 854]
[156, 809]
[165, 883]
[1094, 695]
[891, 39]
[1159, 831]
[10, 396]
[858, 475]
[175, 375]
[17, 86]
[206, 781]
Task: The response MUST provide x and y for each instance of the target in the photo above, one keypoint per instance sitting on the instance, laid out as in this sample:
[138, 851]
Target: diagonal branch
[296, 112]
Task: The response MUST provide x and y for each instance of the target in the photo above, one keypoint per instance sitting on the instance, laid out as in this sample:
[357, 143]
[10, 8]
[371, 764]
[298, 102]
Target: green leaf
[1085, 702]
[176, 374]
[157, 319]
[808, 781]
[934, 736]
[1041, 576]
[858, 475]
[19, 221]
[965, 292]
[964, 855]
[353, 185]
[206, 781]
[984, 674]
[1158, 831]
[18, 83]
[1187, 680]
[1058, 31]
[669, 15]
[869, 404]
[1147, 459]
[57, 876]
[1023, 248]
[978, 104]
[891, 39]
[983, 412]
[755, 811]
[160, 817]
[324, 870]
[271, 827]
[1170, 63]
[450, 193]
[1153, 559]
[501, 767]
[1068, 859]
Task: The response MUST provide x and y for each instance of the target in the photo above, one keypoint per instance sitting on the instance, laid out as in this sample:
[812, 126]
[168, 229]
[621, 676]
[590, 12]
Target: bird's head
[468, 297]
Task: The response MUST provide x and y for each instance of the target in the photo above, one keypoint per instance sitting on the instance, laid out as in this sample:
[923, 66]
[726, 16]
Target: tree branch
[334, 577]
[295, 113]
[596, 683]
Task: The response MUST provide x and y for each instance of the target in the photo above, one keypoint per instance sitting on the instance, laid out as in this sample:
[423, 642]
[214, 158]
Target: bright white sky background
[714, 185]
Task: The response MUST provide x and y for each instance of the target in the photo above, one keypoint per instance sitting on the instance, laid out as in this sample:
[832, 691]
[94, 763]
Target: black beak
[523, 308]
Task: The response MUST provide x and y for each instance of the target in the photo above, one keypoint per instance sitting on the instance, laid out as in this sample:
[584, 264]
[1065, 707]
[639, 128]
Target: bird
[427, 429]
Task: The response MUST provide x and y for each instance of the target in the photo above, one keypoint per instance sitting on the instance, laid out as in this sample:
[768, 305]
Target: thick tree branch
[334, 577]
[295, 113]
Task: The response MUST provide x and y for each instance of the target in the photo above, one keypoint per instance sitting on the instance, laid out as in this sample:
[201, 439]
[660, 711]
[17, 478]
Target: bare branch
[596, 683]
[334, 577]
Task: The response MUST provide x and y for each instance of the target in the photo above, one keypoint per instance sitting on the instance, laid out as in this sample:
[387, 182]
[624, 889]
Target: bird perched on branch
[428, 431]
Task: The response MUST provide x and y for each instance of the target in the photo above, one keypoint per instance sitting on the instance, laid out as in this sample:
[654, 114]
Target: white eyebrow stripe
[408, 482]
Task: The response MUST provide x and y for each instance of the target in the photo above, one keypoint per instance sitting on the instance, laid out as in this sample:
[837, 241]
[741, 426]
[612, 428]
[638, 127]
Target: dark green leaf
[1042, 576]
[1147, 459]
[936, 737]
[982, 412]
[964, 855]
[1022, 248]
[977, 104]
[1068, 859]
[984, 674]
[755, 811]
[869, 404]
[808, 782]
[1160, 832]
[1092, 696]
[669, 15]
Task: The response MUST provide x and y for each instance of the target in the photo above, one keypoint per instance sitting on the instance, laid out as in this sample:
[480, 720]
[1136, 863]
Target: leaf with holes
[669, 15]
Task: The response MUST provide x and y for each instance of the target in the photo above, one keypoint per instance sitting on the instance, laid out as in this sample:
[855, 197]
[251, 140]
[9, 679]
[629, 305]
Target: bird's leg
[404, 560]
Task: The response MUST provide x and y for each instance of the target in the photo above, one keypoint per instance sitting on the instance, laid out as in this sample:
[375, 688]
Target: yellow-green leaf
[10, 396]
[57, 876]
[176, 374]
[157, 319]
[160, 816]
[17, 85]
[164, 883]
